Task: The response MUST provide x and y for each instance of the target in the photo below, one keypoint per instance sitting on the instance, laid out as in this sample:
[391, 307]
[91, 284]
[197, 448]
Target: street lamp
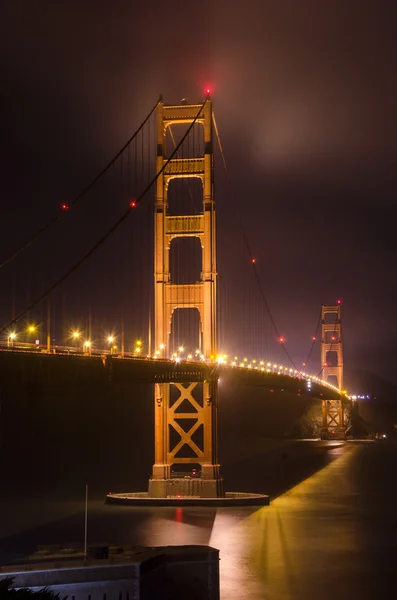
[110, 340]
[11, 338]
[75, 335]
[87, 346]
[31, 330]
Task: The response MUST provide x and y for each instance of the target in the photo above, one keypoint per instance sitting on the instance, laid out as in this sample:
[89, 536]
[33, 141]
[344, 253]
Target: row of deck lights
[262, 365]
[176, 356]
[75, 335]
[87, 344]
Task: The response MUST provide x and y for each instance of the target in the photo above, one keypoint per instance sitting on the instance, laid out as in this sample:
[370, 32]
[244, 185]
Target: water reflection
[325, 538]
[296, 548]
[176, 526]
[232, 533]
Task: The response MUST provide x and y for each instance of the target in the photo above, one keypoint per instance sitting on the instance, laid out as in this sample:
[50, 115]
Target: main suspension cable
[83, 192]
[108, 232]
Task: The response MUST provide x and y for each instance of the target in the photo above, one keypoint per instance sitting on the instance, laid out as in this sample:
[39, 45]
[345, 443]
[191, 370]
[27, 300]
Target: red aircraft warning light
[133, 204]
[65, 206]
[253, 260]
[339, 301]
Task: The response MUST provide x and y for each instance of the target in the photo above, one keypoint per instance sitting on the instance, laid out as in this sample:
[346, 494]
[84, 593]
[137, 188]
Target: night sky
[305, 98]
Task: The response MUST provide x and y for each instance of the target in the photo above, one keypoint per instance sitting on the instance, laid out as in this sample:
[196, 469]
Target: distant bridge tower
[185, 414]
[333, 424]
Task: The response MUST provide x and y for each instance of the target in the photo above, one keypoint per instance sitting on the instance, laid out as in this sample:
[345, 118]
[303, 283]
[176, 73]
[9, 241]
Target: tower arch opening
[185, 196]
[331, 337]
[186, 333]
[185, 260]
[191, 147]
[331, 358]
[330, 317]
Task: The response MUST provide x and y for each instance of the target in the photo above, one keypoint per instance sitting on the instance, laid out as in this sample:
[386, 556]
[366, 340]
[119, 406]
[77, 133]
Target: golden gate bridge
[171, 182]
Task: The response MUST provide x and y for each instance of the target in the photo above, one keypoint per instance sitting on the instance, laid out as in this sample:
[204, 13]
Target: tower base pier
[165, 484]
[339, 433]
[230, 499]
[188, 487]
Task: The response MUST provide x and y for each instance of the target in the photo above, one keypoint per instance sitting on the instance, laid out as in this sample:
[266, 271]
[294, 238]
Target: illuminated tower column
[332, 371]
[201, 396]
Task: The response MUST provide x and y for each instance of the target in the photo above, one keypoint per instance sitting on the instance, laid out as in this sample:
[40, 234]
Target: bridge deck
[140, 370]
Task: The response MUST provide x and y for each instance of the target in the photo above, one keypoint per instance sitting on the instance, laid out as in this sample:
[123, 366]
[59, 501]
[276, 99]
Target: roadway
[136, 369]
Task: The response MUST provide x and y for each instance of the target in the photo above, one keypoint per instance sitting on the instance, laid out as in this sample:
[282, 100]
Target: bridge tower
[333, 422]
[185, 413]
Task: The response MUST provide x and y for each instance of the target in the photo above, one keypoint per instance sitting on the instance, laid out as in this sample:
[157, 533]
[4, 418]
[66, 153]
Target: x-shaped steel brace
[186, 436]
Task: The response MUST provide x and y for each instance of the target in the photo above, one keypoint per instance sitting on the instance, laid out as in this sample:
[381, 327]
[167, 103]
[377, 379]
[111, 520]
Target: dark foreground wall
[176, 572]
[63, 423]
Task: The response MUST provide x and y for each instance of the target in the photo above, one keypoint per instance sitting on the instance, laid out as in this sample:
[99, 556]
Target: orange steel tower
[185, 413]
[333, 425]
